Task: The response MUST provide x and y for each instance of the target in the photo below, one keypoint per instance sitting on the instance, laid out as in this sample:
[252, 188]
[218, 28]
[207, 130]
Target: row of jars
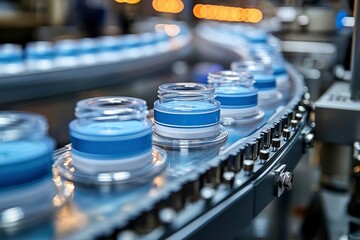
[112, 138]
[86, 51]
[254, 44]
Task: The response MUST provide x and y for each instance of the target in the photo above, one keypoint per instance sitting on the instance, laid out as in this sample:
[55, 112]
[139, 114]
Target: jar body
[89, 50]
[269, 98]
[111, 133]
[66, 53]
[186, 111]
[39, 56]
[25, 150]
[26, 187]
[109, 48]
[238, 97]
[11, 59]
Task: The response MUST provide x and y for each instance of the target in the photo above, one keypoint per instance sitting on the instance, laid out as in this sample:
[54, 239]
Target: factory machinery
[192, 191]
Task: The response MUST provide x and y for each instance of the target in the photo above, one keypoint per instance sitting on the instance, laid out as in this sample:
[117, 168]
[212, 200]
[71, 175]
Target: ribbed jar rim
[252, 67]
[21, 126]
[230, 78]
[186, 91]
[111, 109]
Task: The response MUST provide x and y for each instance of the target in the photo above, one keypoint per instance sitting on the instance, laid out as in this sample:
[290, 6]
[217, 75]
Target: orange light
[169, 6]
[128, 1]
[227, 13]
[196, 10]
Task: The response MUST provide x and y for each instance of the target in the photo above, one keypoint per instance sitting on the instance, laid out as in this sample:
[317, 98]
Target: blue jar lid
[10, 53]
[237, 97]
[39, 50]
[264, 82]
[66, 48]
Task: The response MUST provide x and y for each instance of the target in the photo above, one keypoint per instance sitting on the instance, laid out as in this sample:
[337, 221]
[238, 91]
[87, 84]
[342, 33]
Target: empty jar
[11, 59]
[88, 51]
[109, 48]
[66, 53]
[269, 98]
[187, 111]
[39, 55]
[238, 97]
[111, 134]
[26, 186]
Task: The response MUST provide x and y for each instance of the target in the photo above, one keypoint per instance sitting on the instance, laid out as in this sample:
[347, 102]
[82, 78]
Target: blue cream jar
[238, 97]
[269, 97]
[186, 113]
[26, 187]
[111, 133]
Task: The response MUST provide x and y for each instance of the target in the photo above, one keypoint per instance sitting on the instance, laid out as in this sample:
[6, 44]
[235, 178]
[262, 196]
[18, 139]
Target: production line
[178, 131]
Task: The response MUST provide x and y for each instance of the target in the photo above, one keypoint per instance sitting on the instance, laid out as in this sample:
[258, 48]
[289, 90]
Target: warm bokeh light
[169, 6]
[128, 1]
[226, 13]
[171, 30]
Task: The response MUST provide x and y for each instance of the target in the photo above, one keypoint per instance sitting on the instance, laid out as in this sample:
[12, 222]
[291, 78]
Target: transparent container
[131, 44]
[187, 115]
[238, 97]
[88, 51]
[283, 82]
[269, 98]
[269, 56]
[148, 43]
[11, 59]
[39, 55]
[162, 41]
[66, 53]
[111, 142]
[109, 48]
[27, 191]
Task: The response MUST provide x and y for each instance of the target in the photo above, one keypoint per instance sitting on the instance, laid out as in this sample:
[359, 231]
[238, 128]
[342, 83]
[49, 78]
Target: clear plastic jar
[238, 97]
[187, 111]
[109, 48]
[111, 133]
[111, 141]
[26, 186]
[269, 56]
[88, 51]
[66, 53]
[269, 98]
[130, 43]
[162, 41]
[11, 59]
[39, 55]
[147, 43]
